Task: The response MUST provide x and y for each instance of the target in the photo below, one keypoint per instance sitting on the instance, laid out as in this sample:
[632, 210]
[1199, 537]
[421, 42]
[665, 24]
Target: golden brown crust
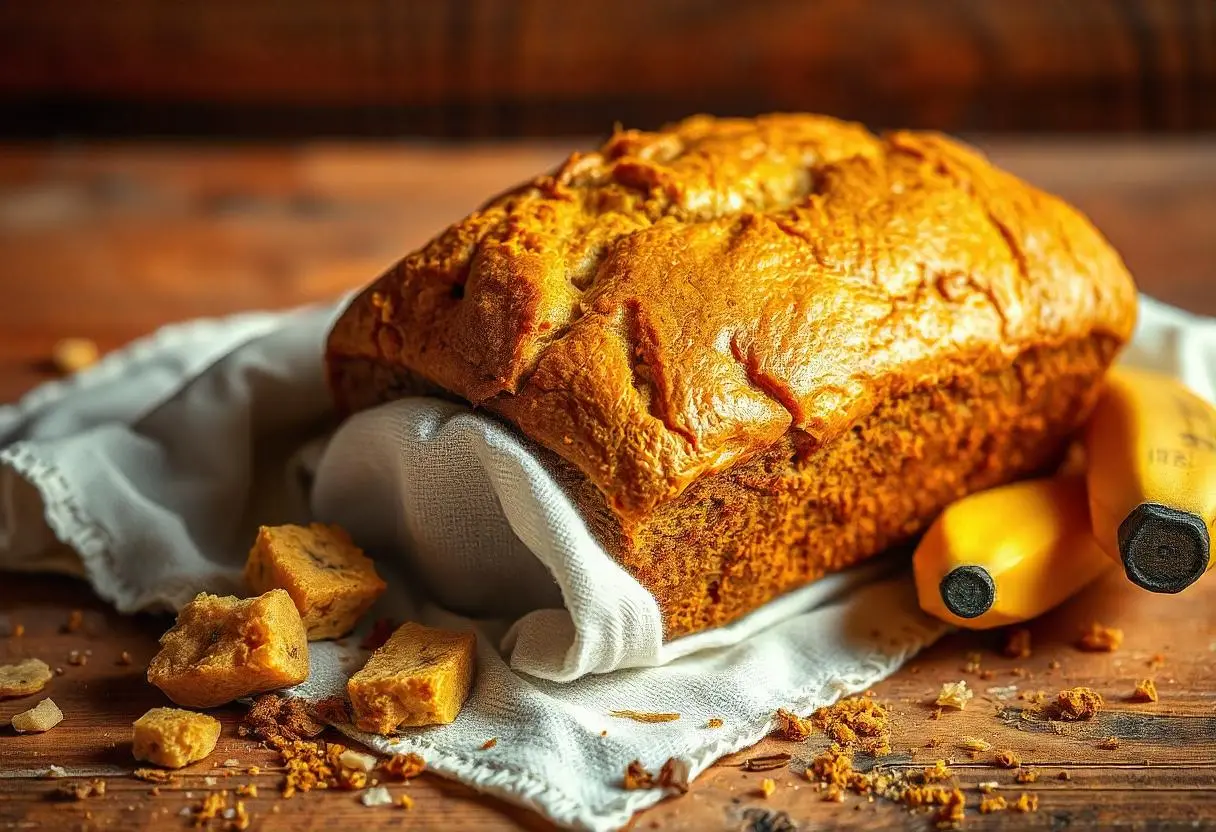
[679, 301]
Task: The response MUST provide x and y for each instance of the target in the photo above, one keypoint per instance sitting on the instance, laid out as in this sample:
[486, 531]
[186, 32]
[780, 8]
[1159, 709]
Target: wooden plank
[111, 242]
[1164, 769]
[544, 67]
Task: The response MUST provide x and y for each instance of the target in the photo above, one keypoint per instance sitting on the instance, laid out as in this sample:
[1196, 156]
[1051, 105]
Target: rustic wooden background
[548, 67]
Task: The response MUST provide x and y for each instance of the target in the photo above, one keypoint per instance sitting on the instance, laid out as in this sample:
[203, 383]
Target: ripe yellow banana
[1008, 554]
[1150, 448]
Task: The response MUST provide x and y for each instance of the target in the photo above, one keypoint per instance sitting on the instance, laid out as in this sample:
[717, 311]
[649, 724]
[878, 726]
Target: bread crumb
[1078, 704]
[247, 790]
[1146, 691]
[403, 766]
[376, 796]
[1157, 661]
[1100, 639]
[1026, 775]
[154, 775]
[974, 744]
[1017, 645]
[42, 717]
[18, 630]
[856, 721]
[792, 727]
[954, 695]
[767, 787]
[1007, 759]
[1109, 744]
[953, 810]
[490, 743]
[53, 772]
[714, 723]
[71, 355]
[124, 659]
[644, 716]
[1054, 665]
[210, 781]
[80, 791]
[272, 717]
[637, 777]
[77, 659]
[75, 621]
[357, 760]
[405, 802]
[211, 807]
[26, 677]
[988, 805]
[1027, 803]
[231, 762]
[939, 772]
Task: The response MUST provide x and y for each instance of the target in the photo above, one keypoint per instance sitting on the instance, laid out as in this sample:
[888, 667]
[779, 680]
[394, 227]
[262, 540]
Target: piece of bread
[762, 349]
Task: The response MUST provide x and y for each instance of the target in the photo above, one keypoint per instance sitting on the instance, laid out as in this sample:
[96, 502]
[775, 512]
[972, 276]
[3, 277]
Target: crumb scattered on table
[490, 743]
[1109, 744]
[1007, 759]
[792, 727]
[954, 695]
[767, 787]
[1078, 704]
[856, 721]
[1100, 639]
[714, 723]
[26, 677]
[42, 717]
[71, 355]
[988, 805]
[1146, 691]
[974, 744]
[80, 790]
[1017, 644]
[1027, 803]
[376, 796]
[403, 766]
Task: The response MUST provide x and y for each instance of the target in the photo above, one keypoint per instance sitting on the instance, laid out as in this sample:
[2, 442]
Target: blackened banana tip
[968, 591]
[1163, 549]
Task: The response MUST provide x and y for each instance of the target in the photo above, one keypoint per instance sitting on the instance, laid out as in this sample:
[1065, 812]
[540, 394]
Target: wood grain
[545, 67]
[109, 242]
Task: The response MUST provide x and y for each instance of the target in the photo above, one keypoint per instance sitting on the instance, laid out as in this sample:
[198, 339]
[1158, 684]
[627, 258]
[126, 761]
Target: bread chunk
[172, 738]
[222, 648]
[328, 577]
[42, 717]
[759, 350]
[421, 676]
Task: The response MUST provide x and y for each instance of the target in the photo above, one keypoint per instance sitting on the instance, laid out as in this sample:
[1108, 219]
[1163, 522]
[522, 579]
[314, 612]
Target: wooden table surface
[110, 242]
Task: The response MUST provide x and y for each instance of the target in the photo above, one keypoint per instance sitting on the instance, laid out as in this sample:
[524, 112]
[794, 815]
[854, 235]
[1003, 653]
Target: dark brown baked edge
[739, 538]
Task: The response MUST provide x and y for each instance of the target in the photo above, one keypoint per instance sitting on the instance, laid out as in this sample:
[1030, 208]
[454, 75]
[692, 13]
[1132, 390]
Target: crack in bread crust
[800, 243]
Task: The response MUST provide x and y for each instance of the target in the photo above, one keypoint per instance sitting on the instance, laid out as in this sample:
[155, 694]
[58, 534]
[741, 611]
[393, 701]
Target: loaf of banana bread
[759, 350]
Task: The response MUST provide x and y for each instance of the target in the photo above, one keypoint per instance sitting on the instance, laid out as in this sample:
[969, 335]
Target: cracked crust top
[676, 301]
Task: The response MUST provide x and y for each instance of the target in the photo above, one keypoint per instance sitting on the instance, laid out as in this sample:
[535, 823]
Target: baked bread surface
[670, 309]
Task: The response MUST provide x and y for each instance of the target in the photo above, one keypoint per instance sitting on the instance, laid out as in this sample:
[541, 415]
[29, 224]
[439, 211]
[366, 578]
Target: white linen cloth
[148, 474]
